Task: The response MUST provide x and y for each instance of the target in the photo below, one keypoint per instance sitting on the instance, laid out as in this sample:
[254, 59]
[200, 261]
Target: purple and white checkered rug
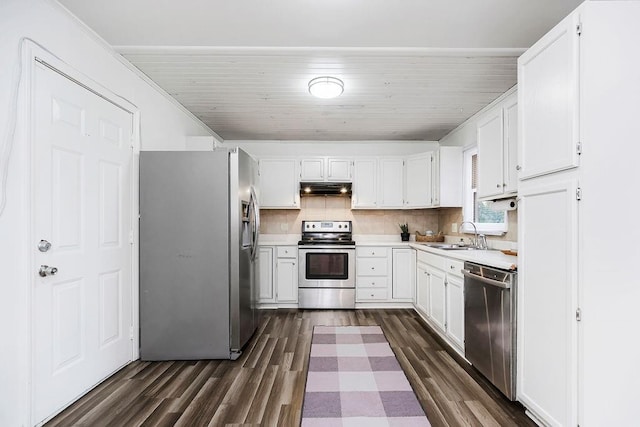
[354, 379]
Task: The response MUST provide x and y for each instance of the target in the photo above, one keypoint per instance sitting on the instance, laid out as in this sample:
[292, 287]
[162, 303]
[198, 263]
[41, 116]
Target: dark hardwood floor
[266, 385]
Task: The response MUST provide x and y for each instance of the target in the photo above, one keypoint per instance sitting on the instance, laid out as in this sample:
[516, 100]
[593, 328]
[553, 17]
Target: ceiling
[413, 69]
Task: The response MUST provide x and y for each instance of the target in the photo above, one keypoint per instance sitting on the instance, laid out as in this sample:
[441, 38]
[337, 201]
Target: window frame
[468, 207]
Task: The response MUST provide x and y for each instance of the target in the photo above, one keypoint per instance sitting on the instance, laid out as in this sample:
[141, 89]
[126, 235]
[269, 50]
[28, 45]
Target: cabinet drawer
[379, 282]
[431, 259]
[287, 252]
[453, 266]
[372, 252]
[371, 294]
[371, 266]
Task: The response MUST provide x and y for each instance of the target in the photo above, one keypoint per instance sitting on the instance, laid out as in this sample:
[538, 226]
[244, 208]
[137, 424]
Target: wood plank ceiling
[389, 95]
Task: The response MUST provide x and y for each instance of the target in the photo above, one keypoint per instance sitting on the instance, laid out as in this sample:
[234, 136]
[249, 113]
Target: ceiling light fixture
[326, 87]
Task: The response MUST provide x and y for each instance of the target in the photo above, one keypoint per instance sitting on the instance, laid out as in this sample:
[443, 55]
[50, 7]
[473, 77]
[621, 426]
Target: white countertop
[491, 258]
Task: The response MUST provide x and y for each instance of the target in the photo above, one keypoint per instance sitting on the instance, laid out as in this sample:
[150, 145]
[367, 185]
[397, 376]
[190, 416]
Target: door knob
[45, 271]
[44, 246]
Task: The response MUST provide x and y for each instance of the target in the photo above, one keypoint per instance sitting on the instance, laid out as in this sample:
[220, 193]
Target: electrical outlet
[284, 226]
[454, 227]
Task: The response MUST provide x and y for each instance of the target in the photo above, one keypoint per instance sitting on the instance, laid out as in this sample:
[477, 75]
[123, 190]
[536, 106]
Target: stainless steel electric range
[327, 274]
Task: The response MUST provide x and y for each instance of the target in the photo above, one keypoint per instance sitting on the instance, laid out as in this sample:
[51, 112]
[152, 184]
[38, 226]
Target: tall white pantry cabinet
[578, 289]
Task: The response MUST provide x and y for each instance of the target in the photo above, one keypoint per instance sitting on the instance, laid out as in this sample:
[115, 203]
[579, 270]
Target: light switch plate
[454, 227]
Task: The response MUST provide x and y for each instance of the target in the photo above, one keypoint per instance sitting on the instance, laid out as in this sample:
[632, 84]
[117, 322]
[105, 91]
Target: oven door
[326, 267]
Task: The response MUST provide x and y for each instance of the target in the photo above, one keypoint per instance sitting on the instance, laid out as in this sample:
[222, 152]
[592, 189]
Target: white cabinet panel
[339, 169]
[437, 297]
[547, 299]
[287, 280]
[455, 310]
[490, 152]
[418, 185]
[548, 102]
[391, 183]
[422, 289]
[510, 145]
[404, 270]
[279, 184]
[312, 170]
[446, 177]
[372, 266]
[365, 184]
[266, 291]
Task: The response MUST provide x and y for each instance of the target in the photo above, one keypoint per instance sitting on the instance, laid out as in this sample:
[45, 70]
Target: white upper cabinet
[312, 170]
[548, 102]
[490, 136]
[319, 169]
[279, 184]
[418, 181]
[391, 183]
[446, 177]
[497, 133]
[365, 189]
[339, 169]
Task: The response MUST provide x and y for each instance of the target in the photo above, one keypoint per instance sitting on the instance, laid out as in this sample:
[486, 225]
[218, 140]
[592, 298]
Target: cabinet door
[404, 273]
[312, 170]
[547, 299]
[339, 170]
[391, 183]
[437, 297]
[287, 280]
[510, 145]
[490, 152]
[265, 286]
[548, 102]
[418, 185]
[422, 289]
[364, 184]
[455, 310]
[279, 183]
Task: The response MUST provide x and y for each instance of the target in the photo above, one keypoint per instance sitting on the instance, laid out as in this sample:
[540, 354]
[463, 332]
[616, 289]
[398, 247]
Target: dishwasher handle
[486, 280]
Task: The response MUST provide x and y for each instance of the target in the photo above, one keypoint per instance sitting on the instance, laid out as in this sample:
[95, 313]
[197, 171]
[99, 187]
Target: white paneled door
[82, 207]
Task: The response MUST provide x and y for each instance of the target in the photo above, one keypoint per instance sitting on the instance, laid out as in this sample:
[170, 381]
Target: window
[486, 220]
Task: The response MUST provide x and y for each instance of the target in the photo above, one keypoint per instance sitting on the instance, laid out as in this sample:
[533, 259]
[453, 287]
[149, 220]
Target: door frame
[33, 52]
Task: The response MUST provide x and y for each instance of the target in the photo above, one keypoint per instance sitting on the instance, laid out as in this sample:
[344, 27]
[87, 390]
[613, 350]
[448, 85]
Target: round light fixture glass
[326, 87]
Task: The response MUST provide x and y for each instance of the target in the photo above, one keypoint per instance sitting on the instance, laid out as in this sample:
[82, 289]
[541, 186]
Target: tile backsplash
[277, 221]
[379, 221]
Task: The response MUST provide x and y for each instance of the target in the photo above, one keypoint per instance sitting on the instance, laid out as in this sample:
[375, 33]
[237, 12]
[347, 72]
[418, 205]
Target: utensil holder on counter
[434, 238]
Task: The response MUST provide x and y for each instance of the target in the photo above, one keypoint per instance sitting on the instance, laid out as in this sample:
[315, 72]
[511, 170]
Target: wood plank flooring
[265, 386]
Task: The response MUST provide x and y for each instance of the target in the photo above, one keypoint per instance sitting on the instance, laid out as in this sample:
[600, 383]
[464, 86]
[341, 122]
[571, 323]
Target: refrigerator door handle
[256, 223]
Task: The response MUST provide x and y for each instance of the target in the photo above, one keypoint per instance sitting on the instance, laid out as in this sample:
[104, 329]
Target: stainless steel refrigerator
[199, 227]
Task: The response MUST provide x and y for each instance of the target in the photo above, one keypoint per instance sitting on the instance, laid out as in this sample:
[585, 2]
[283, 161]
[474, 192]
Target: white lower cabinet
[404, 273]
[455, 308]
[372, 274]
[440, 296]
[385, 274]
[266, 293]
[287, 274]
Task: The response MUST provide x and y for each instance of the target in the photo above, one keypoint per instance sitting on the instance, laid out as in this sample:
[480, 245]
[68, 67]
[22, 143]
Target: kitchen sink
[450, 246]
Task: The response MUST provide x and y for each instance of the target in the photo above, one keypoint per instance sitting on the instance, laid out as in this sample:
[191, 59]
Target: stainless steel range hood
[325, 189]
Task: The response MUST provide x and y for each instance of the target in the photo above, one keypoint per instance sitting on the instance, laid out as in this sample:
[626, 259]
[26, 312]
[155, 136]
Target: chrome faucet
[474, 242]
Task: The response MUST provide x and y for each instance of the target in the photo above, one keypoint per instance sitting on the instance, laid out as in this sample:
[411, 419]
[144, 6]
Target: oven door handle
[486, 280]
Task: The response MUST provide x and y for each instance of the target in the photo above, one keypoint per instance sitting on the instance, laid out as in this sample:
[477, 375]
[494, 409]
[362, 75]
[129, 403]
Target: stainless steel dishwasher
[490, 324]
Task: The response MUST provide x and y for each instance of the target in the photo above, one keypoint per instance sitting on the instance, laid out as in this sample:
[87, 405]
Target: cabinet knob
[518, 167]
[373, 268]
[373, 253]
[504, 185]
[373, 283]
[498, 185]
[451, 267]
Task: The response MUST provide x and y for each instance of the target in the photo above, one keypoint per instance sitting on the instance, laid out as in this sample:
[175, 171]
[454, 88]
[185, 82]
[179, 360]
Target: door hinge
[579, 147]
[578, 314]
[579, 29]
[578, 193]
[131, 237]
[130, 332]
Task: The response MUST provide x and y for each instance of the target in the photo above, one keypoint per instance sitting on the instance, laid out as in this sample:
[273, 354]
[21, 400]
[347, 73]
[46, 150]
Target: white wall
[265, 148]
[164, 126]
